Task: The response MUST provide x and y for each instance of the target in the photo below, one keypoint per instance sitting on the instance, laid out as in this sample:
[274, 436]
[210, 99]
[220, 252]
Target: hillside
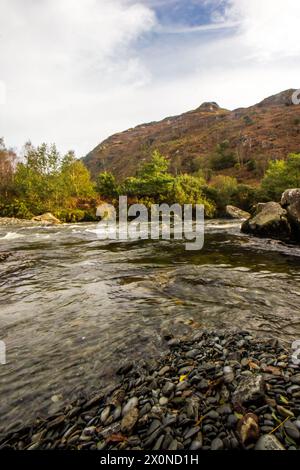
[267, 130]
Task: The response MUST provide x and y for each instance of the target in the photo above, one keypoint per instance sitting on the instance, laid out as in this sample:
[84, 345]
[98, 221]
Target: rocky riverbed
[213, 390]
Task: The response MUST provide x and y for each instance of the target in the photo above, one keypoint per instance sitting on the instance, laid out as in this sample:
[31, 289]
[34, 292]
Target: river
[73, 307]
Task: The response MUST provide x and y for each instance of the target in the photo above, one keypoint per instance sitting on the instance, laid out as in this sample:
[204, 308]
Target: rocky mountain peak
[280, 99]
[209, 106]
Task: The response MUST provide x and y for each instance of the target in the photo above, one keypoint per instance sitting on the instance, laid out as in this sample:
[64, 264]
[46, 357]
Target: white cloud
[56, 54]
[270, 28]
[77, 71]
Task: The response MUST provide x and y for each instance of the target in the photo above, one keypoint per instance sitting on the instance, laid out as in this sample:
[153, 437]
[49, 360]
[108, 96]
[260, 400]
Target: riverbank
[212, 390]
[45, 219]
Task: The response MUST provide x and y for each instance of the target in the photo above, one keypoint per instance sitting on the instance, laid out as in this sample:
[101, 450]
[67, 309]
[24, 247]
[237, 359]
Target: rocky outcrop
[189, 139]
[291, 202]
[236, 213]
[270, 221]
[47, 218]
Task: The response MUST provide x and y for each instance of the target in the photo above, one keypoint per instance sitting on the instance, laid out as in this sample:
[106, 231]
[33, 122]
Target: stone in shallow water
[193, 353]
[250, 389]
[212, 415]
[269, 442]
[292, 430]
[168, 389]
[132, 403]
[296, 379]
[191, 432]
[129, 420]
[224, 409]
[217, 444]
[164, 370]
[163, 401]
[197, 442]
[228, 374]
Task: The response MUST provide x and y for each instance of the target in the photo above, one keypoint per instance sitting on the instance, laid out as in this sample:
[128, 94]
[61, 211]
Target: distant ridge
[268, 130]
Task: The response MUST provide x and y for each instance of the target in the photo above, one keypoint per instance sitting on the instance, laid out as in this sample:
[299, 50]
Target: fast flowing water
[73, 307]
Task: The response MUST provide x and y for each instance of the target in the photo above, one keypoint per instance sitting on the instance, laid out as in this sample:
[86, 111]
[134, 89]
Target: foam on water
[12, 236]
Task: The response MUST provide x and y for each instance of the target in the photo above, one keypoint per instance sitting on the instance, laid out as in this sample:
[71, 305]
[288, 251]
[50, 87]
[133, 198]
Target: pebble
[192, 353]
[228, 374]
[168, 389]
[164, 370]
[223, 402]
[132, 403]
[217, 444]
[269, 442]
[163, 401]
[212, 415]
[296, 379]
[250, 389]
[292, 430]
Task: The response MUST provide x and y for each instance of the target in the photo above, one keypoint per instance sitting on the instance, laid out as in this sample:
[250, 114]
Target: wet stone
[132, 403]
[269, 442]
[250, 389]
[217, 444]
[168, 389]
[292, 430]
[164, 370]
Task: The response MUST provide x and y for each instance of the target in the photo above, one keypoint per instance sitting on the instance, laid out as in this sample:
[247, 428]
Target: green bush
[223, 157]
[245, 197]
[15, 208]
[282, 175]
[106, 185]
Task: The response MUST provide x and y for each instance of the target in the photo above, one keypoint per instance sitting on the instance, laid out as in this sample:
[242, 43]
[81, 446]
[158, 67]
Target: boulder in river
[270, 221]
[46, 218]
[290, 201]
[236, 213]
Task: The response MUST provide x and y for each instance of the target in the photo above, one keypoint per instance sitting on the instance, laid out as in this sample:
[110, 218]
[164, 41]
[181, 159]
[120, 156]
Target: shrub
[282, 175]
[106, 185]
[223, 157]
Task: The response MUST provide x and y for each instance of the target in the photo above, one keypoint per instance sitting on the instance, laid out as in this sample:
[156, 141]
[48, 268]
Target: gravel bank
[212, 391]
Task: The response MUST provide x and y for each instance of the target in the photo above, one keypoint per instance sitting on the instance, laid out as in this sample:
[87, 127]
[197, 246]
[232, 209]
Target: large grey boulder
[270, 221]
[236, 213]
[290, 201]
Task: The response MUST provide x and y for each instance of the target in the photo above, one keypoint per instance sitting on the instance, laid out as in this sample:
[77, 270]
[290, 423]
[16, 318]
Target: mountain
[254, 135]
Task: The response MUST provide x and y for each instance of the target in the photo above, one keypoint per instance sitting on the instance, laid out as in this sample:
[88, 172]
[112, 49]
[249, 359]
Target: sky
[74, 72]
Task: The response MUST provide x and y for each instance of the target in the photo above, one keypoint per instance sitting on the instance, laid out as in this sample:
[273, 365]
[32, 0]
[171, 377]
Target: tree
[282, 175]
[152, 180]
[43, 159]
[222, 190]
[76, 177]
[189, 190]
[7, 169]
[158, 166]
[106, 185]
[223, 157]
